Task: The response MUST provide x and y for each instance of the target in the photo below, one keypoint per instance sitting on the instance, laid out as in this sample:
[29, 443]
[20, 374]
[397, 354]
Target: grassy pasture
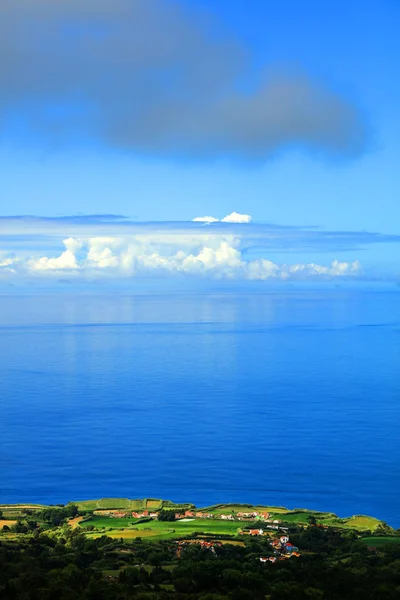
[100, 522]
[87, 504]
[13, 514]
[273, 510]
[165, 530]
[126, 504]
[300, 517]
[359, 522]
[222, 509]
[22, 506]
[379, 542]
[17, 511]
[114, 503]
[362, 522]
[110, 503]
[131, 534]
[152, 503]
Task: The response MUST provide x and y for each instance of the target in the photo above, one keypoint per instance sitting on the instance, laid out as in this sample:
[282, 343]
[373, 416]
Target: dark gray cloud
[150, 77]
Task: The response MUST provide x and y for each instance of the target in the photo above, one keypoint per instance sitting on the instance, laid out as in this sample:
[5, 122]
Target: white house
[284, 539]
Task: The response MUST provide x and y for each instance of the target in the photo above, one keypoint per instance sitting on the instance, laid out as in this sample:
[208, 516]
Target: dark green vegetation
[379, 541]
[166, 515]
[69, 553]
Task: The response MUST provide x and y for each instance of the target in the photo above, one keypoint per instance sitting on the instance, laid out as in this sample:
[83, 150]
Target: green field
[358, 522]
[153, 528]
[222, 509]
[301, 516]
[362, 523]
[126, 504]
[379, 542]
[110, 503]
[328, 519]
[298, 517]
[162, 529]
[105, 522]
[17, 511]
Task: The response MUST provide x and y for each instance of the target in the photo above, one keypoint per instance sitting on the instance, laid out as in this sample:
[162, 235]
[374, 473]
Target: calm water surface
[289, 399]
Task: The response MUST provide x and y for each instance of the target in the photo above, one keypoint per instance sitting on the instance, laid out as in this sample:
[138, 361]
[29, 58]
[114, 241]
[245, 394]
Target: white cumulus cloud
[233, 217]
[6, 262]
[66, 260]
[187, 254]
[205, 220]
[236, 218]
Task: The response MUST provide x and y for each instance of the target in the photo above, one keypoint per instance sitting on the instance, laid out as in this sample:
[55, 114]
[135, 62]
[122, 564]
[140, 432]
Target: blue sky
[283, 111]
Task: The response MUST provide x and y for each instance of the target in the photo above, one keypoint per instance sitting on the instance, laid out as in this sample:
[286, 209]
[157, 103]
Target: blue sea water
[277, 398]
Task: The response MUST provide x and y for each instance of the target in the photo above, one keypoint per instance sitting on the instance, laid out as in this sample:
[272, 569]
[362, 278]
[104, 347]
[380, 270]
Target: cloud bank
[205, 256]
[89, 247]
[152, 77]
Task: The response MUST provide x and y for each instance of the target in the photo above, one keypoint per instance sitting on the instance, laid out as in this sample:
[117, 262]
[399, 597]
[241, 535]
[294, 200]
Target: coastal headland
[152, 549]
[157, 519]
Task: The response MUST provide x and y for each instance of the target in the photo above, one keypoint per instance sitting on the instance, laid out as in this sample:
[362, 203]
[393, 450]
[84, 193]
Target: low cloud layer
[151, 77]
[211, 256]
[88, 247]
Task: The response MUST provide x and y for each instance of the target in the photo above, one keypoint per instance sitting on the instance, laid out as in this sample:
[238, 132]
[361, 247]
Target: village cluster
[282, 547]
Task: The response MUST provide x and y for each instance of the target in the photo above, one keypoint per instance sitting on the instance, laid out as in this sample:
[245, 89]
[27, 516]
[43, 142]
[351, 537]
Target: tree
[72, 510]
[166, 515]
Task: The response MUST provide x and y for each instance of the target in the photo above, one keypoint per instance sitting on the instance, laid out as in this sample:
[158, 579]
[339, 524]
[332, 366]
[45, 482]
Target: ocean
[287, 398]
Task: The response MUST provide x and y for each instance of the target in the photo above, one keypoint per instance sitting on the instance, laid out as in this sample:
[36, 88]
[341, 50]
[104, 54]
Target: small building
[256, 531]
[284, 539]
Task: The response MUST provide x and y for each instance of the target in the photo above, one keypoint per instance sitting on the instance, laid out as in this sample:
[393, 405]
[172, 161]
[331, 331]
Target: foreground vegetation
[97, 550]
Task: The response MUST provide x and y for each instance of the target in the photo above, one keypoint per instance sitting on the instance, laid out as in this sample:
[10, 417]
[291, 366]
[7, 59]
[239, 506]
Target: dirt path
[75, 522]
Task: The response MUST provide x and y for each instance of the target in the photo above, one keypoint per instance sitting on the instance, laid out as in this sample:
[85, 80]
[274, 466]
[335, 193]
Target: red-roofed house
[256, 532]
